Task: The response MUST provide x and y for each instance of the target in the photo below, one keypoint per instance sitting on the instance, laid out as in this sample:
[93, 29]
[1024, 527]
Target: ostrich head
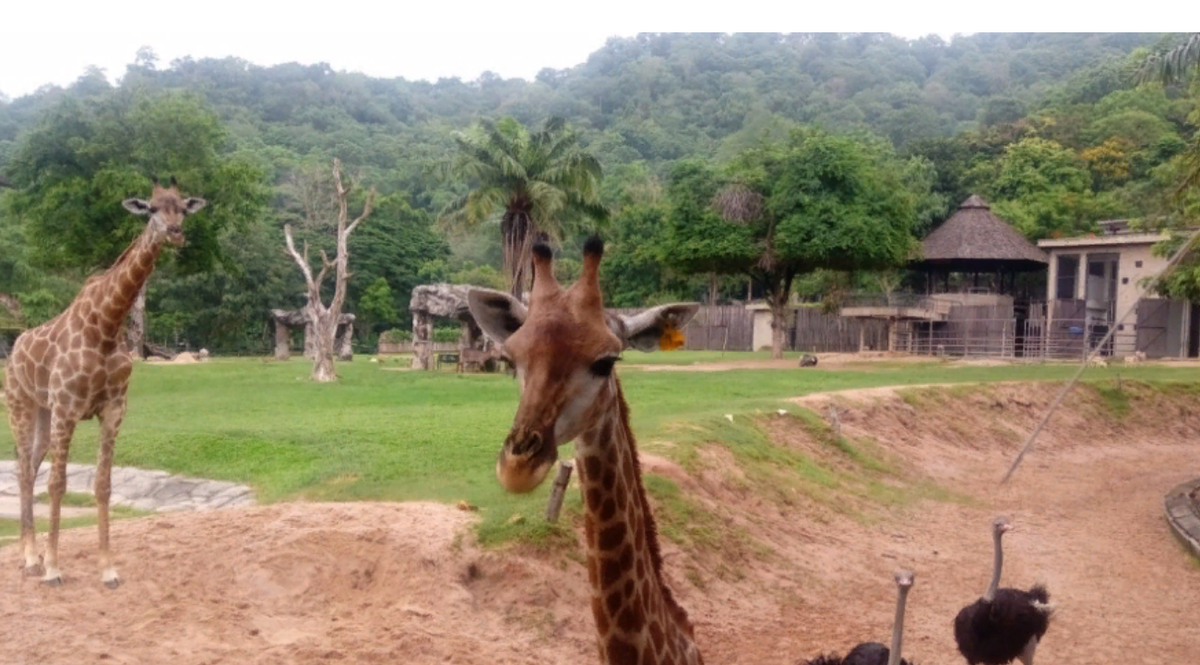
[904, 578]
[1001, 526]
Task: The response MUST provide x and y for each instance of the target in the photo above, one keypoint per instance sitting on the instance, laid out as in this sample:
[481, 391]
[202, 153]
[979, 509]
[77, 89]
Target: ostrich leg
[1026, 656]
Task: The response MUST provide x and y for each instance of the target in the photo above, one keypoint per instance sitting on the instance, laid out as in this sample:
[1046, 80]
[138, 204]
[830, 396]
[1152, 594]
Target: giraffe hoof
[113, 583]
[54, 582]
[33, 571]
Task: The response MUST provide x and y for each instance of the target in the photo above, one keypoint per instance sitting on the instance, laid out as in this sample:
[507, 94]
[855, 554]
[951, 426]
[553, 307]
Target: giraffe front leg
[61, 429]
[21, 419]
[110, 426]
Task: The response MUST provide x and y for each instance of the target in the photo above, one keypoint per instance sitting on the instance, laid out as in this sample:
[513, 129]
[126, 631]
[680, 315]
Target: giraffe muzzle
[524, 461]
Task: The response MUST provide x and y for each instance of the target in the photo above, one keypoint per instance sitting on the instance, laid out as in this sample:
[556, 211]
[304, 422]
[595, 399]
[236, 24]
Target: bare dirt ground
[825, 361]
[403, 583]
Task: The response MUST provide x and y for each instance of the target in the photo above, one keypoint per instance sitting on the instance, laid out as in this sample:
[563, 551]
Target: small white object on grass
[729, 417]
[783, 412]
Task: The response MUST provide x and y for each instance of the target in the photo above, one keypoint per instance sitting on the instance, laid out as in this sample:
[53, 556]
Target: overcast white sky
[52, 42]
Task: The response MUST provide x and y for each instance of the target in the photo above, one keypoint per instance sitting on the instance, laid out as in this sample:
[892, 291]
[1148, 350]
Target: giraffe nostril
[524, 445]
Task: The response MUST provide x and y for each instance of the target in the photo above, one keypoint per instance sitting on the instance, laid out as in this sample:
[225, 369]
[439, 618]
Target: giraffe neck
[113, 294]
[637, 618]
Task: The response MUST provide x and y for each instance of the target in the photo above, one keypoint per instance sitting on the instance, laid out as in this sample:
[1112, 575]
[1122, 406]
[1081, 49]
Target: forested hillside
[1051, 128]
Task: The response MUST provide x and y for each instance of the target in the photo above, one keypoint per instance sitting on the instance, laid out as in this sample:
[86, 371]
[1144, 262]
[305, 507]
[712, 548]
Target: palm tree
[1174, 66]
[533, 184]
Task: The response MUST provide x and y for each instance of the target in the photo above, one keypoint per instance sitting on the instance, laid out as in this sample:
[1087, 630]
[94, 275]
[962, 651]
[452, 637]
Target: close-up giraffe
[564, 347]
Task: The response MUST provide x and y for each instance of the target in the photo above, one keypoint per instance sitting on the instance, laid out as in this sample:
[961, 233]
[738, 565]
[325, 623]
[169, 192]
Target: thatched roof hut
[974, 240]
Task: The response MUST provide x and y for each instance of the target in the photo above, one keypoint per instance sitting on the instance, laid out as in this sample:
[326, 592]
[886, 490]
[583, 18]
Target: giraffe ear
[137, 206]
[193, 205]
[658, 327]
[499, 315]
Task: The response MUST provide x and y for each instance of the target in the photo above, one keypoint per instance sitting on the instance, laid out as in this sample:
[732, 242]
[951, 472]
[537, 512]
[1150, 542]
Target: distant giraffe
[75, 367]
[564, 347]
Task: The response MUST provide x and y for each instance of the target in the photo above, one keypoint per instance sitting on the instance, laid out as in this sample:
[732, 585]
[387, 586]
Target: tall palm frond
[1172, 66]
[534, 183]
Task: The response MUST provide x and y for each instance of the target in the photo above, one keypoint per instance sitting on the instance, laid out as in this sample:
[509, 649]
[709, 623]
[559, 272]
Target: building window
[1068, 274]
[1124, 280]
[1137, 264]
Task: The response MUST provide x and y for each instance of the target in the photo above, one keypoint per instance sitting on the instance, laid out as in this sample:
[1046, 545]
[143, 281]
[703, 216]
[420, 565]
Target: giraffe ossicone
[75, 367]
[564, 346]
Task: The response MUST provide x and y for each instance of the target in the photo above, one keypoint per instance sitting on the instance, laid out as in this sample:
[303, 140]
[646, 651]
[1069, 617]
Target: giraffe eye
[604, 366]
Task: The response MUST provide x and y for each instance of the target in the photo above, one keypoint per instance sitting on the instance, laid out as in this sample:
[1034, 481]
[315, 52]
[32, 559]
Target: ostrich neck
[898, 627]
[990, 594]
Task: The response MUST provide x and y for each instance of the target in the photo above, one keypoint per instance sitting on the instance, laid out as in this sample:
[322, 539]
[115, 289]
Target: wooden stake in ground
[560, 490]
[324, 320]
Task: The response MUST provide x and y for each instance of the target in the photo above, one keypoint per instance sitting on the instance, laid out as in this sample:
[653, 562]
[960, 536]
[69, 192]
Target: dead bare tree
[324, 320]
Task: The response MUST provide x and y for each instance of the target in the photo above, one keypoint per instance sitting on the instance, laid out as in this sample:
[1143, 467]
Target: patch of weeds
[1115, 399]
[679, 519]
[535, 532]
[694, 577]
[913, 397]
[821, 431]
[71, 499]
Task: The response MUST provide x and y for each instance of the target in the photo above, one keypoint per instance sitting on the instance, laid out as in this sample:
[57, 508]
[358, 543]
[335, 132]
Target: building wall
[1129, 278]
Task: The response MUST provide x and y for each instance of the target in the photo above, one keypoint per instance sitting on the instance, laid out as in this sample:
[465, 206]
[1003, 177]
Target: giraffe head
[564, 346]
[166, 208]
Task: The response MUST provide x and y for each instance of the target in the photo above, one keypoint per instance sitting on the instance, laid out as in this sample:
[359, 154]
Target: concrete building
[1095, 280]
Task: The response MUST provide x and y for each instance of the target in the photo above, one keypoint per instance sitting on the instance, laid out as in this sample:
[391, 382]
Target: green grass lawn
[418, 435]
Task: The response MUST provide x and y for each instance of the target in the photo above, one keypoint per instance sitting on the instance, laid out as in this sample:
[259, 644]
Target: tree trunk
[323, 341]
[778, 289]
[517, 229]
[713, 291]
[310, 349]
[135, 333]
[322, 322]
[778, 325]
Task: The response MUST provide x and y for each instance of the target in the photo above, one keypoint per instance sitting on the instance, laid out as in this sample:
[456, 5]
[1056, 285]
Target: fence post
[560, 489]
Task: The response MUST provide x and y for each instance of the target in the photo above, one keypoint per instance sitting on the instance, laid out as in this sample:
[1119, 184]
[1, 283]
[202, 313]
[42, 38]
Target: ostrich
[1004, 624]
[874, 653]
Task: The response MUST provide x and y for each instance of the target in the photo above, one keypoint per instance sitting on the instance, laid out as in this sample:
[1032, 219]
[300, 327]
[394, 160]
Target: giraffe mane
[656, 560]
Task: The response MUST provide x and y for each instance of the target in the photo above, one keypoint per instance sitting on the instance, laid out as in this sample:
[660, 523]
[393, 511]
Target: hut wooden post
[282, 337]
[422, 345]
[345, 334]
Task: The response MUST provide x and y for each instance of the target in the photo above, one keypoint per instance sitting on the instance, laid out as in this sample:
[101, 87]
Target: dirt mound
[296, 583]
[772, 568]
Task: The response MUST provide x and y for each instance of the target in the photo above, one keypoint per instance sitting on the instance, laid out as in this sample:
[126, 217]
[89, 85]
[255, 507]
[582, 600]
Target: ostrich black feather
[996, 632]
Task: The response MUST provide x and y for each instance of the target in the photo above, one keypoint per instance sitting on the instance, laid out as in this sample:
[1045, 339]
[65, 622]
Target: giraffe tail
[41, 439]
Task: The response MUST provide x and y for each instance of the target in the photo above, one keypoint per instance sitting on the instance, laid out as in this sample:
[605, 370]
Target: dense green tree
[637, 105]
[399, 240]
[73, 170]
[817, 201]
[536, 183]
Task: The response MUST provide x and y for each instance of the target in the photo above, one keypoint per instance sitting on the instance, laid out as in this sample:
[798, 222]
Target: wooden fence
[817, 332]
[731, 328]
[407, 347]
